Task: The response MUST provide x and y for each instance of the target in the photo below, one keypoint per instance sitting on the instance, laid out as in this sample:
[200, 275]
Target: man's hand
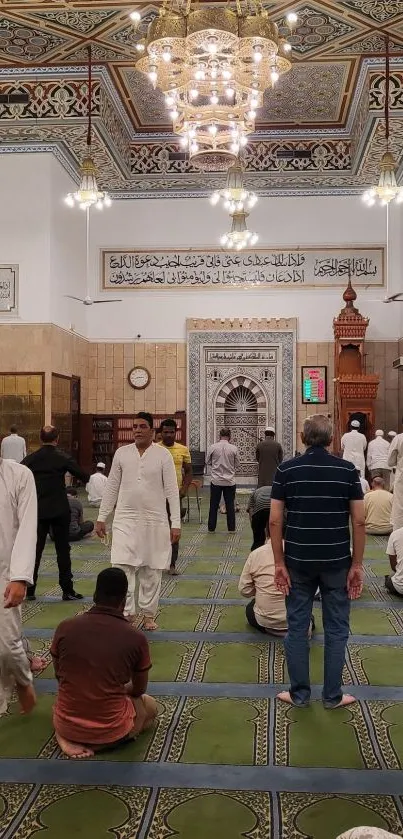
[14, 594]
[282, 579]
[175, 535]
[100, 529]
[355, 581]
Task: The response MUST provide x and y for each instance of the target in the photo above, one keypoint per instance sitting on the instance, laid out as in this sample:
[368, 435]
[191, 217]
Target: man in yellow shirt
[183, 466]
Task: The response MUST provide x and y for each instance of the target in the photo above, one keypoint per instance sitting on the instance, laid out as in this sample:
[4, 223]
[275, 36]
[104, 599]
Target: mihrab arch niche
[241, 406]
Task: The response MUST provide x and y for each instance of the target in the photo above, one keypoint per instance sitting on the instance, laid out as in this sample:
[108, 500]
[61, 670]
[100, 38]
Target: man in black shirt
[49, 466]
[320, 493]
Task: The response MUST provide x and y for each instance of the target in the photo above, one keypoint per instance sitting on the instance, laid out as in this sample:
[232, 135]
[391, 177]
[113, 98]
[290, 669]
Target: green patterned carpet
[225, 760]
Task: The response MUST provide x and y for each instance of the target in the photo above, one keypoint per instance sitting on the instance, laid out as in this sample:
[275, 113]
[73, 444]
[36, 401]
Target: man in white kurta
[377, 458]
[353, 445]
[141, 480]
[395, 459]
[18, 523]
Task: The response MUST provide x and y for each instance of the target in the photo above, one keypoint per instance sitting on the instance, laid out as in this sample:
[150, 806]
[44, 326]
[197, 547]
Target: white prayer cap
[391, 433]
[270, 428]
[100, 466]
[379, 433]
[355, 424]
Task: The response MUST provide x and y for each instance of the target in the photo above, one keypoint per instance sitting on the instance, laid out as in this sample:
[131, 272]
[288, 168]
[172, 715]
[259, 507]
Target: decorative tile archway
[243, 379]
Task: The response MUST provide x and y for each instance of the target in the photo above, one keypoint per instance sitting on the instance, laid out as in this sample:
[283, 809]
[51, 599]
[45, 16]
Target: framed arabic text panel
[314, 385]
[187, 269]
[8, 289]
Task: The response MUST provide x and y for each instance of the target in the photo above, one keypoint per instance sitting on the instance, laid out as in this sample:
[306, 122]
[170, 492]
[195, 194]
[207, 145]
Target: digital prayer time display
[314, 385]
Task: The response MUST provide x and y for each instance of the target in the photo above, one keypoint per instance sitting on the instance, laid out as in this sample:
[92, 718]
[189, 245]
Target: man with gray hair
[320, 492]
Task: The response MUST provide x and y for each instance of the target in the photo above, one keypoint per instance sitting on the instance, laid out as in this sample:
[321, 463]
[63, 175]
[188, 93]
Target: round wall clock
[139, 378]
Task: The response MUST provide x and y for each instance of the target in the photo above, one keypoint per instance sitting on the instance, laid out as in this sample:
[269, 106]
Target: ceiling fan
[87, 300]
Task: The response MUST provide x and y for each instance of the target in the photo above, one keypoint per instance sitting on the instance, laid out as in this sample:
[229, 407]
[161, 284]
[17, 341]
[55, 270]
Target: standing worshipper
[320, 493]
[223, 460]
[49, 466]
[184, 473]
[13, 447]
[96, 486]
[269, 455]
[395, 461]
[353, 445]
[142, 479]
[390, 437]
[377, 458]
[18, 506]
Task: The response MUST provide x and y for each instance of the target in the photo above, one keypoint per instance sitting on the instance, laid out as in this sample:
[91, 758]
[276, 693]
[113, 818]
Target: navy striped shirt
[317, 489]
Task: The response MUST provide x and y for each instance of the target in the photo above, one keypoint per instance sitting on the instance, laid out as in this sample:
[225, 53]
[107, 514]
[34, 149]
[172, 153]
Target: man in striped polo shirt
[320, 493]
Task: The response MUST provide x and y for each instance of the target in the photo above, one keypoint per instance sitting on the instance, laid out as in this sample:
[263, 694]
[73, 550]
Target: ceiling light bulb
[174, 114]
[229, 92]
[254, 103]
[69, 200]
[107, 200]
[243, 141]
[274, 75]
[224, 239]
[135, 17]
[399, 198]
[166, 54]
[169, 101]
[251, 114]
[200, 75]
[213, 130]
[252, 200]
[235, 148]
[140, 47]
[99, 205]
[194, 148]
[214, 198]
[211, 47]
[254, 238]
[183, 141]
[213, 72]
[226, 74]
[257, 55]
[214, 98]
[292, 18]
[193, 93]
[153, 76]
[287, 47]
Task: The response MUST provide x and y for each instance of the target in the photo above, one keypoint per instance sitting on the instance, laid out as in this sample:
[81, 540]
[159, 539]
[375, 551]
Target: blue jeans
[336, 614]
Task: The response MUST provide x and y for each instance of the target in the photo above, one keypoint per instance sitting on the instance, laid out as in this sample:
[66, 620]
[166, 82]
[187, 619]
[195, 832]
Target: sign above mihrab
[187, 269]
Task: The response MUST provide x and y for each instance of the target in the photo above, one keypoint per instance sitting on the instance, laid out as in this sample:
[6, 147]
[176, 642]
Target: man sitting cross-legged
[101, 663]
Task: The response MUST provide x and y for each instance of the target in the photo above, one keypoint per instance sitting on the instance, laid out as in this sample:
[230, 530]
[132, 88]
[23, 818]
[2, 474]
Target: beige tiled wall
[110, 392]
[103, 369]
[44, 348]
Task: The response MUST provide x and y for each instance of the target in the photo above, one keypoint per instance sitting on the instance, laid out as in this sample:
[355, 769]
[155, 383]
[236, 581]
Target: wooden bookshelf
[101, 435]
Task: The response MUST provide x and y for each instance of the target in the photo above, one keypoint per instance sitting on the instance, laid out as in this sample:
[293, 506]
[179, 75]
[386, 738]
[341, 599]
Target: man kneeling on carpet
[266, 612]
[101, 663]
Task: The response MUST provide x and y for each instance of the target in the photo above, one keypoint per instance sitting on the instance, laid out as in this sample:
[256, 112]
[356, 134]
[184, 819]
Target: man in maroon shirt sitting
[101, 663]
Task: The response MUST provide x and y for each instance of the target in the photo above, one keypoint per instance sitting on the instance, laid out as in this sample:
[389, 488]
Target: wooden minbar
[355, 390]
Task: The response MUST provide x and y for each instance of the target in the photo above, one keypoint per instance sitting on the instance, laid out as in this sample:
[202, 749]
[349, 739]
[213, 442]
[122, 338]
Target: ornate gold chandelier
[213, 64]
[387, 189]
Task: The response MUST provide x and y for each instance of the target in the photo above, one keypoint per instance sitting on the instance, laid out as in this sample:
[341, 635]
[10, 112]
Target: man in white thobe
[142, 479]
[353, 445]
[395, 460]
[13, 447]
[18, 523]
[390, 437]
[377, 458]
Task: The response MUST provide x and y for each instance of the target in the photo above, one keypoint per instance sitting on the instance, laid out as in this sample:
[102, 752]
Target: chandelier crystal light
[387, 189]
[235, 197]
[88, 193]
[213, 65]
[239, 237]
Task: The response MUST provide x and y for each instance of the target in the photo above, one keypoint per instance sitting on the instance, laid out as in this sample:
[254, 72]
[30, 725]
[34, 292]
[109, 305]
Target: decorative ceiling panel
[330, 104]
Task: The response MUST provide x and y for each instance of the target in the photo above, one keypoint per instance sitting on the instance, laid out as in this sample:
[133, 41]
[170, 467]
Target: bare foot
[38, 664]
[346, 700]
[285, 696]
[149, 625]
[73, 750]
[26, 697]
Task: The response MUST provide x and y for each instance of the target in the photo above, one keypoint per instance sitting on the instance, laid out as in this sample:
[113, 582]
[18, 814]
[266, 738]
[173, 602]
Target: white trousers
[14, 664]
[148, 593]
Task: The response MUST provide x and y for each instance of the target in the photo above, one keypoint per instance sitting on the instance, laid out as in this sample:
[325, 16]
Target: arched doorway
[241, 406]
